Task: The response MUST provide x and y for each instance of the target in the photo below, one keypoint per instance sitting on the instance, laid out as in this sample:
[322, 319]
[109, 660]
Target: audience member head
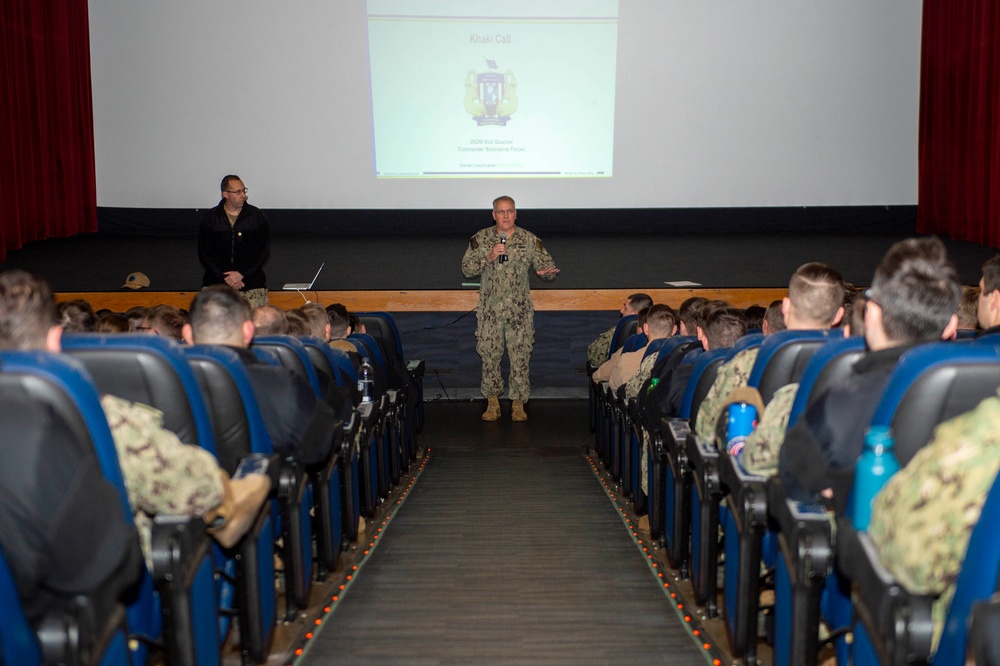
[724, 327]
[27, 313]
[269, 320]
[298, 323]
[968, 309]
[913, 297]
[850, 297]
[705, 310]
[640, 320]
[319, 321]
[219, 316]
[77, 316]
[989, 294]
[774, 320]
[357, 326]
[689, 313]
[136, 315]
[164, 320]
[815, 297]
[755, 317]
[112, 323]
[855, 325]
[340, 321]
[636, 302]
[661, 321]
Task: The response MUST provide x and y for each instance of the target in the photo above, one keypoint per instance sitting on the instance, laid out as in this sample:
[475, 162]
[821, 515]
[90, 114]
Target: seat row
[187, 598]
[710, 516]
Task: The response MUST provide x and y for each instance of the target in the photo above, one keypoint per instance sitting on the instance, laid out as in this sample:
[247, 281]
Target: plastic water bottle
[876, 466]
[366, 381]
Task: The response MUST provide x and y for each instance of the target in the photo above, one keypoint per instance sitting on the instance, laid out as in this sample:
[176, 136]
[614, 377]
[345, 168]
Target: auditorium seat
[623, 330]
[182, 571]
[672, 441]
[782, 359]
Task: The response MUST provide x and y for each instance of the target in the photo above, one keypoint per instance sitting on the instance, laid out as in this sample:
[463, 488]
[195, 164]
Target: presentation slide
[582, 104]
[530, 92]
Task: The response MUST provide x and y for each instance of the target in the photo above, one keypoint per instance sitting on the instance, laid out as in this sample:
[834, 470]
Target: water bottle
[742, 421]
[876, 466]
[366, 382]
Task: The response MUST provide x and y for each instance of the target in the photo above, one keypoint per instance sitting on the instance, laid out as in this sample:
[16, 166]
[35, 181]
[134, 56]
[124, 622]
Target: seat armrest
[805, 531]
[899, 623]
[703, 460]
[748, 492]
[416, 369]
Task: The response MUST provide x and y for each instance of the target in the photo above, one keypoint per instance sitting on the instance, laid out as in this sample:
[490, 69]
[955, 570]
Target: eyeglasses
[244, 191]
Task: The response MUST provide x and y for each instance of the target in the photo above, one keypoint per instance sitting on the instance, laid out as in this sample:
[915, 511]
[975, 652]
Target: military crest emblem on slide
[491, 96]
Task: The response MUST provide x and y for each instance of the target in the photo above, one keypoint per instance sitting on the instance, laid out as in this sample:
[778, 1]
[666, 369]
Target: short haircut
[167, 320]
[218, 313]
[850, 298]
[755, 316]
[316, 315]
[135, 315]
[640, 301]
[918, 290]
[340, 320]
[690, 312]
[856, 318]
[661, 319]
[991, 274]
[968, 308]
[640, 319]
[816, 292]
[77, 316]
[298, 323]
[504, 197]
[774, 317]
[724, 327]
[112, 323]
[27, 310]
[707, 309]
[270, 320]
[228, 179]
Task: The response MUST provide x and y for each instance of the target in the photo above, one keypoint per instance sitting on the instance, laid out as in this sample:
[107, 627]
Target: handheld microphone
[503, 241]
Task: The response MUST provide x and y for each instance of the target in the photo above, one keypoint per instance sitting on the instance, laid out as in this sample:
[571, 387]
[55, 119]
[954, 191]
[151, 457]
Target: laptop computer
[303, 286]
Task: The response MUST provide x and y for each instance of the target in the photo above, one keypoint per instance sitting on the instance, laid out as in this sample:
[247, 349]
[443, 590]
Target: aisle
[507, 550]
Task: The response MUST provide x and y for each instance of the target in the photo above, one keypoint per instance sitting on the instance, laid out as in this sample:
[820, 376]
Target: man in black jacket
[234, 243]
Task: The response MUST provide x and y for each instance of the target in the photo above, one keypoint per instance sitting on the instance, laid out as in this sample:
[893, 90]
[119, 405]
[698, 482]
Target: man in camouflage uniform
[600, 349]
[814, 301]
[502, 256]
[922, 519]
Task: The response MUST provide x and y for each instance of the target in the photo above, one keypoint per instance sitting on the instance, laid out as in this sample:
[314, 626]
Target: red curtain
[959, 170]
[47, 182]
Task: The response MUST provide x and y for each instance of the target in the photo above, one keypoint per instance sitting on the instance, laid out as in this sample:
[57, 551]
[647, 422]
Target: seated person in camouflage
[600, 349]
[815, 301]
[161, 474]
[623, 364]
[922, 519]
[661, 324]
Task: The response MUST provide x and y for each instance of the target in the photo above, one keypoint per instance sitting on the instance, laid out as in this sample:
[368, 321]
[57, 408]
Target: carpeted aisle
[507, 550]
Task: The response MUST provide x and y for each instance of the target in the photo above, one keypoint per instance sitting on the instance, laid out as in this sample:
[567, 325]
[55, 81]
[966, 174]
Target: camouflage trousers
[255, 297]
[517, 332]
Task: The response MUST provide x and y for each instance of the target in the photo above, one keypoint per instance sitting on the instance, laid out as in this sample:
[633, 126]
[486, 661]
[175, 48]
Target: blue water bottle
[876, 466]
[742, 421]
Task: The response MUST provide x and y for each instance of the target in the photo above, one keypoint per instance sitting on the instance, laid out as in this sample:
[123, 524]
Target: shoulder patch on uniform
[538, 245]
[474, 243]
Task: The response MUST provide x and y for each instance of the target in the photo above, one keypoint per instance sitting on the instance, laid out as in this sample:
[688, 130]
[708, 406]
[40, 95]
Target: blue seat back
[63, 383]
[635, 342]
[368, 347]
[931, 384]
[831, 363]
[238, 426]
[705, 366]
[623, 331]
[18, 644]
[338, 359]
[293, 355]
[783, 357]
[151, 370]
[382, 325]
[746, 342]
